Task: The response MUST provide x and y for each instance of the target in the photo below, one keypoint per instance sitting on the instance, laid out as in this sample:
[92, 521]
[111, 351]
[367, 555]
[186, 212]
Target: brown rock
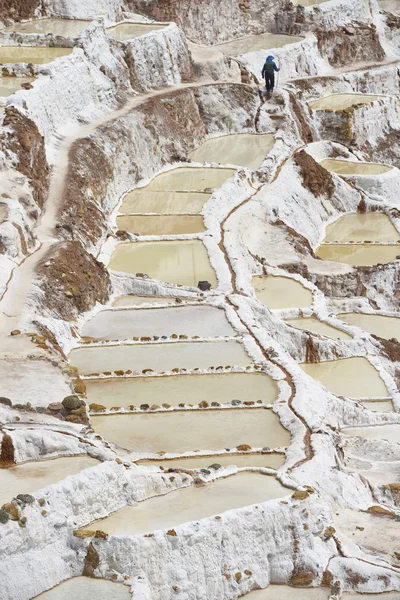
[302, 579]
[13, 511]
[243, 448]
[55, 407]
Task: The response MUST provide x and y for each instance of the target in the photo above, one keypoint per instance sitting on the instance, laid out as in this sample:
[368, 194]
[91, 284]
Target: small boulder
[236, 402]
[144, 407]
[4, 516]
[55, 407]
[72, 402]
[5, 401]
[12, 510]
[204, 286]
[243, 448]
[25, 499]
[215, 467]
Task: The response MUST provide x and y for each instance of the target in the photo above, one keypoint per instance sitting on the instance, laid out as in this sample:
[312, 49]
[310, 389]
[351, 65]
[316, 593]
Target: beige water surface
[378, 405]
[252, 43]
[272, 461]
[84, 588]
[204, 321]
[162, 224]
[244, 149]
[185, 431]
[177, 203]
[281, 292]
[284, 592]
[131, 300]
[192, 504]
[31, 54]
[348, 167]
[383, 596]
[359, 254]
[385, 327]
[33, 476]
[177, 389]
[316, 326]
[189, 179]
[338, 102]
[64, 27]
[128, 31]
[159, 357]
[184, 262]
[10, 85]
[353, 377]
[356, 227]
[391, 433]
[392, 6]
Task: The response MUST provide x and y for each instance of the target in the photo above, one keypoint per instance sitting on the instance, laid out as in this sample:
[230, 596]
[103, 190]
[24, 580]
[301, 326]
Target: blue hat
[270, 58]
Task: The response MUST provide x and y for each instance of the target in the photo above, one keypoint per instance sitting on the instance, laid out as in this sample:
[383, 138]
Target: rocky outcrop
[17, 10]
[346, 45]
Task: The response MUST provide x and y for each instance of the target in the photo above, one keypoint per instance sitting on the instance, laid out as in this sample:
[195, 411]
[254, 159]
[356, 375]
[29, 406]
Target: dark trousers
[270, 81]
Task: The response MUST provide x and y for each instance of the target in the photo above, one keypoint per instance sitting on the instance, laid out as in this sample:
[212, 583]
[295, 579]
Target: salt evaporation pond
[188, 431]
[163, 203]
[352, 377]
[10, 85]
[184, 262]
[128, 31]
[252, 43]
[159, 357]
[178, 389]
[242, 149]
[36, 55]
[192, 504]
[339, 102]
[189, 179]
[84, 588]
[359, 255]
[284, 592]
[392, 6]
[357, 227]
[383, 596]
[204, 321]
[391, 433]
[63, 27]
[385, 327]
[272, 461]
[378, 405]
[161, 225]
[131, 300]
[33, 476]
[281, 292]
[347, 167]
[316, 326]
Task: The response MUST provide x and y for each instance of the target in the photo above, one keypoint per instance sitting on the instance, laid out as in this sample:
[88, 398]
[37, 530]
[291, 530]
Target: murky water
[392, 6]
[159, 357]
[273, 461]
[204, 321]
[245, 150]
[10, 85]
[316, 326]
[281, 292]
[252, 43]
[83, 588]
[359, 254]
[284, 592]
[187, 431]
[184, 262]
[342, 101]
[131, 300]
[189, 179]
[64, 27]
[192, 504]
[356, 227]
[30, 54]
[378, 405]
[161, 225]
[188, 389]
[177, 203]
[353, 377]
[387, 596]
[30, 477]
[347, 167]
[129, 31]
[385, 327]
[391, 433]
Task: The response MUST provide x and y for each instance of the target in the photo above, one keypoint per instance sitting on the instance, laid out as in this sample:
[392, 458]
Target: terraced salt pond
[252, 43]
[192, 504]
[316, 326]
[383, 596]
[391, 433]
[339, 102]
[204, 321]
[352, 377]
[385, 327]
[272, 461]
[31, 54]
[131, 300]
[378, 405]
[281, 292]
[284, 592]
[159, 357]
[84, 588]
[347, 167]
[186, 431]
[245, 150]
[359, 255]
[392, 6]
[184, 262]
[10, 85]
[30, 477]
[178, 389]
[63, 27]
[356, 227]
[165, 225]
[128, 31]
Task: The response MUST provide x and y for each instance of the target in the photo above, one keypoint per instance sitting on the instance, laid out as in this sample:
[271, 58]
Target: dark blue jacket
[269, 67]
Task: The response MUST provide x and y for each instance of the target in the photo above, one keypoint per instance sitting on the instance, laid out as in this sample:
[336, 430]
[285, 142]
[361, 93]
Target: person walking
[268, 72]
